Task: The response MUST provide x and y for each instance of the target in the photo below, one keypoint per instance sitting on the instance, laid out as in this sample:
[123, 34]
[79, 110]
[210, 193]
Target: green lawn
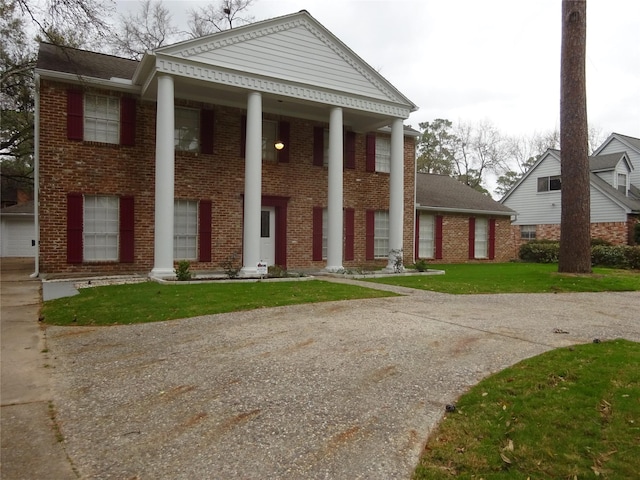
[569, 413]
[151, 302]
[516, 278]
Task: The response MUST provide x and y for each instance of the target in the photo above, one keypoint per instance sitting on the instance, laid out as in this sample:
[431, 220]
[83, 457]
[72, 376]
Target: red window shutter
[349, 234]
[317, 234]
[370, 229]
[127, 121]
[206, 131]
[350, 150]
[204, 230]
[416, 239]
[127, 230]
[75, 213]
[318, 146]
[472, 238]
[492, 238]
[75, 115]
[371, 152]
[283, 136]
[243, 136]
[438, 233]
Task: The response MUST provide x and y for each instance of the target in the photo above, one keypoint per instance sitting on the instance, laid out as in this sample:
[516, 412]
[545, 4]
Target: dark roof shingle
[441, 191]
[84, 63]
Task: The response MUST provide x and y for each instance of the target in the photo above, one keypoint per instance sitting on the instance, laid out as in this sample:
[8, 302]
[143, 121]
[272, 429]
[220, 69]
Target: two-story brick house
[272, 141]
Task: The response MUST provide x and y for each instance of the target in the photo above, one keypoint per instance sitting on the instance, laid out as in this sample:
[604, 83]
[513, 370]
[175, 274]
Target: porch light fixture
[279, 145]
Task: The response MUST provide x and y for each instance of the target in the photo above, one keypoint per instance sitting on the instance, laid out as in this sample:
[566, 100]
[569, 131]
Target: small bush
[608, 256]
[633, 257]
[182, 271]
[232, 265]
[540, 251]
[421, 265]
[599, 241]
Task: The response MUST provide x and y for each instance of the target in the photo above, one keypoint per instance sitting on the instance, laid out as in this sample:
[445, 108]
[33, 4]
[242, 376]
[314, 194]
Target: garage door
[17, 236]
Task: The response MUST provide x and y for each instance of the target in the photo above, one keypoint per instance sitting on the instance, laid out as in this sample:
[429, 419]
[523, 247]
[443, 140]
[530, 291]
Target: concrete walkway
[30, 449]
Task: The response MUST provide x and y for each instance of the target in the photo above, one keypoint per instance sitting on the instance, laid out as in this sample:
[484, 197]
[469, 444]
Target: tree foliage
[436, 147]
[219, 16]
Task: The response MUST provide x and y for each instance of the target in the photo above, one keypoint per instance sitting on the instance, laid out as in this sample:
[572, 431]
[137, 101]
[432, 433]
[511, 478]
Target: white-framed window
[548, 184]
[426, 236]
[186, 136]
[383, 154]
[185, 230]
[481, 238]
[101, 228]
[101, 118]
[528, 232]
[269, 137]
[622, 183]
[381, 234]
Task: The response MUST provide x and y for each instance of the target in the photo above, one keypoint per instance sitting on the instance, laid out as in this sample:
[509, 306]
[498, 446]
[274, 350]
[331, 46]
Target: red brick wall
[96, 168]
[616, 233]
[455, 243]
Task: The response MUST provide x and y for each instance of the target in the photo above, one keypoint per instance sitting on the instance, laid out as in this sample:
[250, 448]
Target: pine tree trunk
[575, 234]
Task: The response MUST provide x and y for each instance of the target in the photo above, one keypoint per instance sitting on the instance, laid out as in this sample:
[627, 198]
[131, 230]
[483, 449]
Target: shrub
[599, 241]
[232, 265]
[633, 257]
[182, 271]
[421, 265]
[608, 256]
[540, 251]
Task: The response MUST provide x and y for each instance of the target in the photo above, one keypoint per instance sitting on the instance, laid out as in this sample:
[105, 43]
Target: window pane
[481, 234]
[101, 118]
[264, 224]
[269, 133]
[554, 183]
[543, 184]
[381, 234]
[426, 235]
[187, 129]
[101, 228]
[383, 154]
[185, 230]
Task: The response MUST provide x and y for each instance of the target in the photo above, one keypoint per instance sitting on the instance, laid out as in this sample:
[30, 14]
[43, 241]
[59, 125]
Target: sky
[472, 60]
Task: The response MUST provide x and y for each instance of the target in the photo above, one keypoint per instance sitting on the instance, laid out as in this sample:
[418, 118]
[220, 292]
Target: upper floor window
[622, 183]
[187, 129]
[383, 154]
[546, 184]
[101, 118]
[269, 138]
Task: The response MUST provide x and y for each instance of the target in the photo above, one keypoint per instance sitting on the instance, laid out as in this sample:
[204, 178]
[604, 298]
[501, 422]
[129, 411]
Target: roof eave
[430, 208]
[114, 83]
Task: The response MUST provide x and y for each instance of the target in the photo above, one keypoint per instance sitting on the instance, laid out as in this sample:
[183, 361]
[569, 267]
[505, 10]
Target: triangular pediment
[293, 49]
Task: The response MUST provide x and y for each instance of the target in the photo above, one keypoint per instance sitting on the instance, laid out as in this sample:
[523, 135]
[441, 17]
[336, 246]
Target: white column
[164, 193]
[396, 195]
[252, 186]
[334, 205]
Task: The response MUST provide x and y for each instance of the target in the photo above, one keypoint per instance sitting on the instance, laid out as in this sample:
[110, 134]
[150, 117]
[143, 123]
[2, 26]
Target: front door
[268, 235]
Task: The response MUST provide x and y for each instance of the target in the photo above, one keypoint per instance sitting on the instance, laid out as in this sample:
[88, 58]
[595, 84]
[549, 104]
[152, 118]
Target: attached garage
[17, 231]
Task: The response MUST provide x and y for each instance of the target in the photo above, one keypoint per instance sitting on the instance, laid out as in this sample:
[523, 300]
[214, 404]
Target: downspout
[36, 176]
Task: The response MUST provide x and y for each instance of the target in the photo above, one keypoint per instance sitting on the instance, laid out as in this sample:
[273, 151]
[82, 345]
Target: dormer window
[622, 183]
[547, 184]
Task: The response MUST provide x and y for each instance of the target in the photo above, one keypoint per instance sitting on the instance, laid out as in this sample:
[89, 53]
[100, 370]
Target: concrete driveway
[340, 390]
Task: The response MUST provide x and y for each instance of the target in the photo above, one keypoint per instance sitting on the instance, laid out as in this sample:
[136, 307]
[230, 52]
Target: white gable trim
[185, 68]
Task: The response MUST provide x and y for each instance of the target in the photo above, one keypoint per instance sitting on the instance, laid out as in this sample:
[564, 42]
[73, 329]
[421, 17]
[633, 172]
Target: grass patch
[569, 413]
[152, 302]
[516, 278]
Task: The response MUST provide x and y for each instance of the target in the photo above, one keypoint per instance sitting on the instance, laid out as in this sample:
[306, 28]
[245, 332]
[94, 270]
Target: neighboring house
[455, 223]
[17, 231]
[271, 141]
[614, 207]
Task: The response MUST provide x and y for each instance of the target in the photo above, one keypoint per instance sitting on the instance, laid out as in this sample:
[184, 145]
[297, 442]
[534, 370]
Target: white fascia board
[115, 83]
[426, 208]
